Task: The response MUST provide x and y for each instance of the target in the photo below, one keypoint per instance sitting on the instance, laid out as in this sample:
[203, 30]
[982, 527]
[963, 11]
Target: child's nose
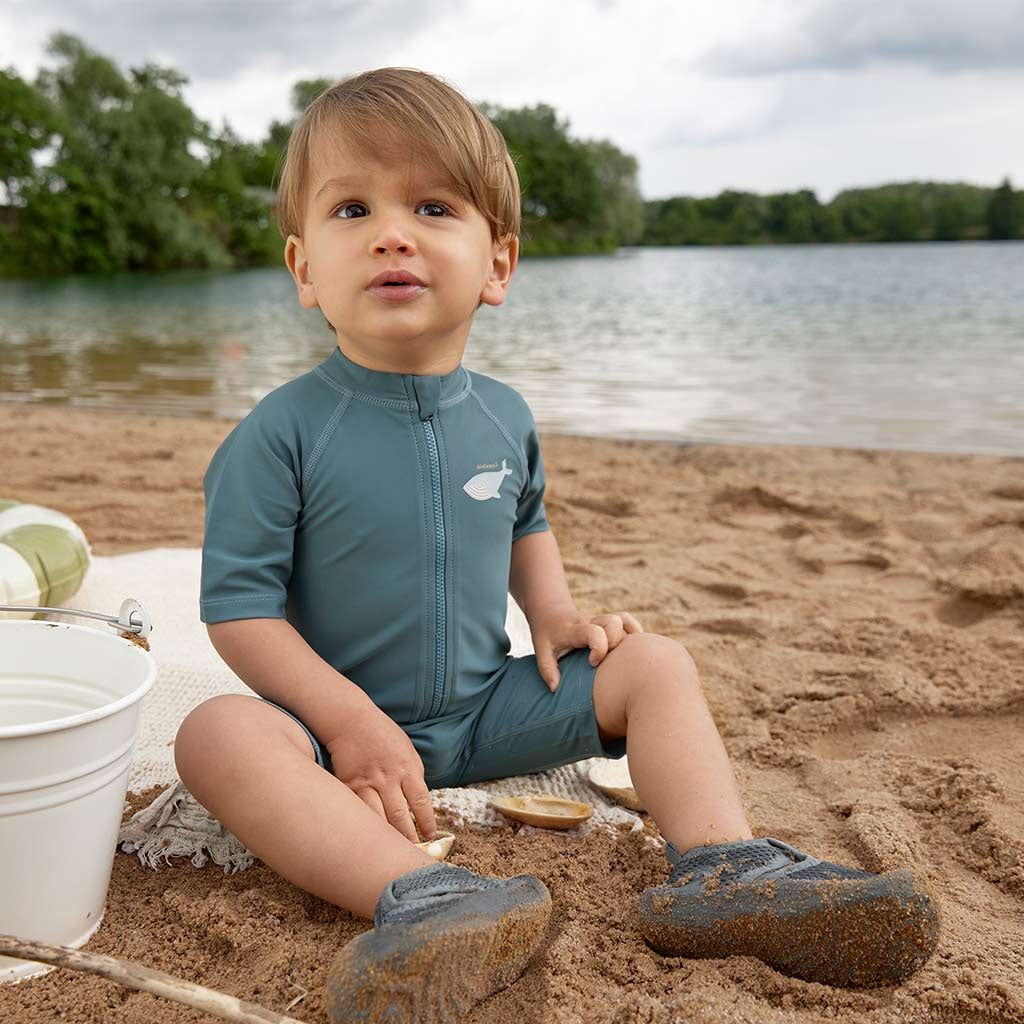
[394, 234]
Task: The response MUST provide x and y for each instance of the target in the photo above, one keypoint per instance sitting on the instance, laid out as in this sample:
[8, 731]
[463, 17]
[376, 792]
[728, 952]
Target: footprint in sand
[873, 569]
[760, 508]
[730, 591]
[728, 626]
[821, 556]
[940, 786]
[617, 507]
[988, 580]
[1009, 492]
[925, 529]
[908, 586]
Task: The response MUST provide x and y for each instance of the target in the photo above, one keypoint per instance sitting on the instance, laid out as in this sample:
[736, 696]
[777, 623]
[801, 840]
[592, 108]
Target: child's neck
[440, 365]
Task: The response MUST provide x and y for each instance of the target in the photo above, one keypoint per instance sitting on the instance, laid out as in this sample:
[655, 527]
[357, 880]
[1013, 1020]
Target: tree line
[102, 170]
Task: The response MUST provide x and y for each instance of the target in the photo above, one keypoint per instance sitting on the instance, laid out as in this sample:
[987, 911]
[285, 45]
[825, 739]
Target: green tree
[242, 221]
[28, 124]
[1003, 212]
[858, 216]
[674, 221]
[304, 91]
[112, 199]
[621, 216]
[792, 216]
[899, 214]
[137, 180]
[732, 217]
[952, 218]
[745, 222]
[828, 224]
[558, 176]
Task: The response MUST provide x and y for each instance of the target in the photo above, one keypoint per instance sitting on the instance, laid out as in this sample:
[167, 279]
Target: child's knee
[658, 664]
[232, 727]
[204, 728]
[652, 651]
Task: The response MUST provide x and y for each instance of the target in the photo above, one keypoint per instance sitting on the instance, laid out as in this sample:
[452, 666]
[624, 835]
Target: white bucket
[70, 698]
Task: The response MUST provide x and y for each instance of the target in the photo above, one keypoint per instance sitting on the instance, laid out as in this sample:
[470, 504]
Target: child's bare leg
[647, 690]
[253, 768]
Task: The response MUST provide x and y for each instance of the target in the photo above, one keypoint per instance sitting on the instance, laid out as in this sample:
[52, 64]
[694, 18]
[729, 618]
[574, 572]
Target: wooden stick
[133, 975]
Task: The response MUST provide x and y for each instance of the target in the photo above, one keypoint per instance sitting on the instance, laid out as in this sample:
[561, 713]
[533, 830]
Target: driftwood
[133, 975]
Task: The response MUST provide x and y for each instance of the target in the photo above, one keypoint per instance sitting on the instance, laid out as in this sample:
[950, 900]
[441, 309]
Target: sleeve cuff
[268, 606]
[539, 527]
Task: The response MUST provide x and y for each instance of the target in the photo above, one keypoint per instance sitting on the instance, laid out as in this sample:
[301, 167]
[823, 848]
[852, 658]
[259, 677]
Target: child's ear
[298, 267]
[503, 265]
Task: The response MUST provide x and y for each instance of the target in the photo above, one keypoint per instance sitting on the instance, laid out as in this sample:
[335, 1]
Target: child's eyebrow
[436, 184]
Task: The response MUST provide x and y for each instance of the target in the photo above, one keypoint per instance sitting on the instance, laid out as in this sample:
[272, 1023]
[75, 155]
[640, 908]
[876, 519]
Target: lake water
[907, 346]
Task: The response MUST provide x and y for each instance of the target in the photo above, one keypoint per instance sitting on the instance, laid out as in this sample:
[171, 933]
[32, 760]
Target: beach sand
[857, 620]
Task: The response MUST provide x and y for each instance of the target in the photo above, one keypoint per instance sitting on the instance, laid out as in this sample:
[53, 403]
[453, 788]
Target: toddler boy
[365, 523]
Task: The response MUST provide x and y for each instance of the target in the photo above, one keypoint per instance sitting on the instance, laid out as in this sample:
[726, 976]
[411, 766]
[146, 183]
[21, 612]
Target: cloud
[221, 40]
[943, 36]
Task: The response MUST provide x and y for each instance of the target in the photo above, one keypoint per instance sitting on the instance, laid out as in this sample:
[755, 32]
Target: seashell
[545, 811]
[439, 847]
[485, 485]
[611, 777]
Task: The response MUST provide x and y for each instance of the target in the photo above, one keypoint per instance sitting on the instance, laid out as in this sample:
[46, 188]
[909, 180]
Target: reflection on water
[885, 346]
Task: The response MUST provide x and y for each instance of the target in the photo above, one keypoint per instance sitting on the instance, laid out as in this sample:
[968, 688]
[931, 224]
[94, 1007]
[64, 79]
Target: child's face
[383, 218]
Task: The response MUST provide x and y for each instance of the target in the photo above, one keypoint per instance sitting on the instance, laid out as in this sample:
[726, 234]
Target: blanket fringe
[175, 824]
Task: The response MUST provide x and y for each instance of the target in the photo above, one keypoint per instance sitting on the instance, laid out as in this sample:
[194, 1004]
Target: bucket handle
[131, 618]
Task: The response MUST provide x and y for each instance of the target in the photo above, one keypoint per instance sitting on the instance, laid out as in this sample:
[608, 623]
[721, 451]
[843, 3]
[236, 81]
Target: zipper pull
[428, 395]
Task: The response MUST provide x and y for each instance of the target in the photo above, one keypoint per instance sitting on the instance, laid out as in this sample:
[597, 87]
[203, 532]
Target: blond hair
[398, 115]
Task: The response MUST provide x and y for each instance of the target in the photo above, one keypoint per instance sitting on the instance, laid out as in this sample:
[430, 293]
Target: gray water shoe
[443, 939]
[802, 916]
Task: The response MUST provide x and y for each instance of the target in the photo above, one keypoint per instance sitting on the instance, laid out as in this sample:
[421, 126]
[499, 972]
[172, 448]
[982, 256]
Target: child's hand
[376, 760]
[563, 629]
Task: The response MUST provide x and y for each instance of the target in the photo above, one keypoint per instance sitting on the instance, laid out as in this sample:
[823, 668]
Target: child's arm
[537, 578]
[371, 753]
[271, 657]
[537, 583]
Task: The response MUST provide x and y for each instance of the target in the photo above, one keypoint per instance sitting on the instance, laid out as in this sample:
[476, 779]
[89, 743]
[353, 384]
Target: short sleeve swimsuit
[376, 512]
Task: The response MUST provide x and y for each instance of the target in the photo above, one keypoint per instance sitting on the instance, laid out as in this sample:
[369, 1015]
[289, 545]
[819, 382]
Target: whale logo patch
[486, 485]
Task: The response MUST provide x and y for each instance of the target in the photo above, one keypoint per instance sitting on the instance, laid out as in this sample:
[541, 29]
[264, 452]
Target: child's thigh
[524, 727]
[233, 726]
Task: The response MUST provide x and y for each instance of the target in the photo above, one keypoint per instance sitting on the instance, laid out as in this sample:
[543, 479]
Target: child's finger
[547, 665]
[615, 629]
[630, 623]
[597, 640]
[418, 796]
[371, 798]
[398, 813]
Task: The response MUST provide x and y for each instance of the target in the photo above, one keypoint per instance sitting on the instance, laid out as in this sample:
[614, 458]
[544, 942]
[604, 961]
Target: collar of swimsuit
[425, 392]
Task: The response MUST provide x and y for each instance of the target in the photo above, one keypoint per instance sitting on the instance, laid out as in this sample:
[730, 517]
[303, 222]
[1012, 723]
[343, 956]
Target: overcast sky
[759, 95]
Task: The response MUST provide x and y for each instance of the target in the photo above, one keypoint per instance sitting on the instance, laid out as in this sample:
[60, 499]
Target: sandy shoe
[443, 939]
[802, 916]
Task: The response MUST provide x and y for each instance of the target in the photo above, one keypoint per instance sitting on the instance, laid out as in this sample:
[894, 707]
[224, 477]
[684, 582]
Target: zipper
[439, 567]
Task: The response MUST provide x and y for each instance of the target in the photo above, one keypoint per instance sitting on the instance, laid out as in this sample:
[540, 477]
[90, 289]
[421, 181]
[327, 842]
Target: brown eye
[346, 206]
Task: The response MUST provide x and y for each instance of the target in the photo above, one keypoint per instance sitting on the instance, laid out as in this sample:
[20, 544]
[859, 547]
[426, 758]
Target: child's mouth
[397, 292]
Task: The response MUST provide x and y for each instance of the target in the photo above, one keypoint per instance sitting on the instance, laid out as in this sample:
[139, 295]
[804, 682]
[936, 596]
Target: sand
[857, 619]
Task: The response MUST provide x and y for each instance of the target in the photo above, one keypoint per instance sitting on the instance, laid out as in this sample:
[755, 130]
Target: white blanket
[166, 582]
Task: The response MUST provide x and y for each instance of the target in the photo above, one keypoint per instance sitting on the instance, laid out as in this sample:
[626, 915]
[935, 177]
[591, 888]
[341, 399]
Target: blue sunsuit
[376, 512]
